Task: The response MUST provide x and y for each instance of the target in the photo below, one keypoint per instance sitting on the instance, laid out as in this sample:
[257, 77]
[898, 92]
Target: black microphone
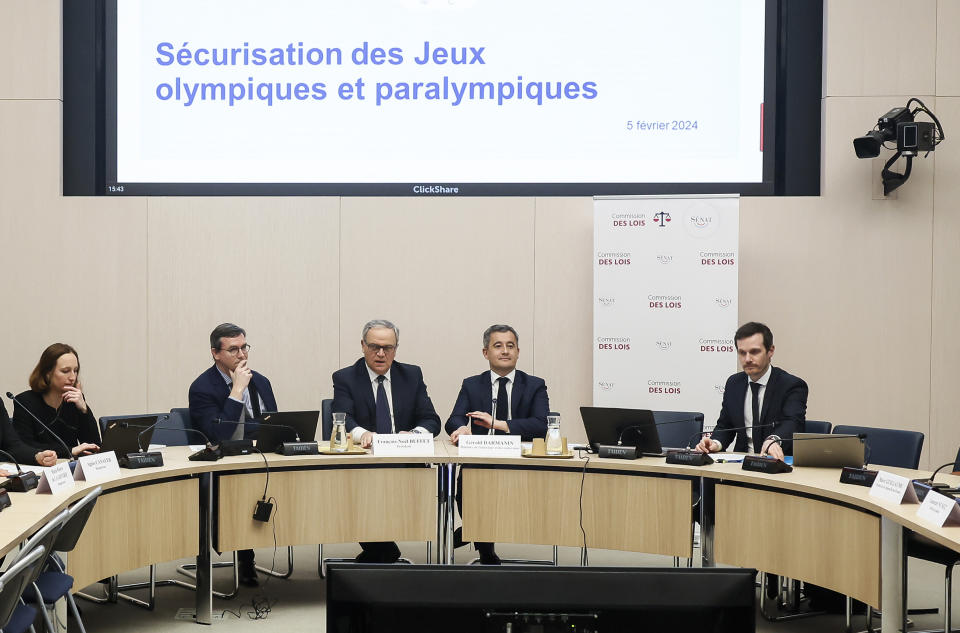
[209, 453]
[732, 428]
[245, 446]
[656, 424]
[930, 478]
[22, 481]
[73, 457]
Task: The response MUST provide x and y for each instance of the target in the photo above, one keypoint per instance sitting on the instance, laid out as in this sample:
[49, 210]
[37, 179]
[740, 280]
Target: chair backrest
[888, 447]
[816, 426]
[44, 537]
[171, 431]
[326, 419]
[76, 521]
[15, 580]
[677, 429]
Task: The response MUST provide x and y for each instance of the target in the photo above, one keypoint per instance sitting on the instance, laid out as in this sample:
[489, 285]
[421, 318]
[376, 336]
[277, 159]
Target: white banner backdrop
[665, 302]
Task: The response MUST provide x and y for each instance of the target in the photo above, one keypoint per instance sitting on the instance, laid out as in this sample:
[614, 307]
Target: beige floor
[298, 602]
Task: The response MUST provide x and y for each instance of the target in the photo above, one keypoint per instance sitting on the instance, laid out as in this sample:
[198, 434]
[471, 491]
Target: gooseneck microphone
[22, 481]
[209, 453]
[70, 454]
[245, 447]
[732, 428]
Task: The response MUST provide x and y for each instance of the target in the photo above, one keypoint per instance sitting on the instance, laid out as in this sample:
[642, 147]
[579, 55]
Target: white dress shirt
[358, 430]
[503, 408]
[748, 420]
[246, 412]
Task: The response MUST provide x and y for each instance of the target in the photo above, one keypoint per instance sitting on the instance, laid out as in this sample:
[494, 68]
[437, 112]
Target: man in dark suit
[522, 406]
[771, 403]
[231, 392]
[382, 396]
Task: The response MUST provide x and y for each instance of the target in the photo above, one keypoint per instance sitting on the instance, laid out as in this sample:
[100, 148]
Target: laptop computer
[122, 433]
[634, 427]
[826, 450]
[286, 426]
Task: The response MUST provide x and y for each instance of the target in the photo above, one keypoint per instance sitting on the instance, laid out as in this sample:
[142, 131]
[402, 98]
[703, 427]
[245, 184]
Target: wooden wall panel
[443, 271]
[266, 264]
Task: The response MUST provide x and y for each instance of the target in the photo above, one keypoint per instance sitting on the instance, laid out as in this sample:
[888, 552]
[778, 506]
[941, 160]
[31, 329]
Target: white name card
[939, 509]
[55, 479]
[403, 444]
[96, 468]
[489, 445]
[893, 488]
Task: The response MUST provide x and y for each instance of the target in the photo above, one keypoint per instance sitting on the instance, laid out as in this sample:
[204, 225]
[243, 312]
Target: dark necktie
[254, 400]
[503, 402]
[755, 405]
[383, 408]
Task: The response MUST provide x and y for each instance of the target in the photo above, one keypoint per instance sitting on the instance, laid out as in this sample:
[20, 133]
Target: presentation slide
[432, 93]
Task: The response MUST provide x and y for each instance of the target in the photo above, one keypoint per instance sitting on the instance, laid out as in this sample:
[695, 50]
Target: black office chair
[54, 583]
[816, 426]
[888, 447]
[43, 538]
[15, 616]
[171, 430]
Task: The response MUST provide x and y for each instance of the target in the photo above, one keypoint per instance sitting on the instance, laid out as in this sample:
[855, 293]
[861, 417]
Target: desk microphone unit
[857, 476]
[687, 457]
[299, 448]
[617, 452]
[140, 459]
[4, 499]
[22, 481]
[768, 465]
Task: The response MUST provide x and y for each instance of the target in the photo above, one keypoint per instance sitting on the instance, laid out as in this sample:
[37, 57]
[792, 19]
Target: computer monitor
[126, 433]
[286, 426]
[632, 427]
[468, 599]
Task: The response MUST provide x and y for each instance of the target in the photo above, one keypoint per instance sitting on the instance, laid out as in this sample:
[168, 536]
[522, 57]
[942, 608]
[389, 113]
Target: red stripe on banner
[761, 126]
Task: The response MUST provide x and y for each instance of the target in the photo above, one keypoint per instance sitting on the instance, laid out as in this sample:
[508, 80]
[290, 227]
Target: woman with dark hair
[56, 398]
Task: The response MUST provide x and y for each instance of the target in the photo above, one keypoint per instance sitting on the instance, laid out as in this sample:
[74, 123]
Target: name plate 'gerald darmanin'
[489, 445]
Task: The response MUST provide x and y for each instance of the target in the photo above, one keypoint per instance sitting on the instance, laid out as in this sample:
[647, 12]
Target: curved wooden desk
[803, 524]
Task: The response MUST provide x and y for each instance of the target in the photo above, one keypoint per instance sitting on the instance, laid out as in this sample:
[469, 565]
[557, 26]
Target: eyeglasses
[233, 351]
[376, 349]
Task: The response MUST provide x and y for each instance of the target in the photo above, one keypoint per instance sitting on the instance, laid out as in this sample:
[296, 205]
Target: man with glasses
[231, 392]
[382, 396]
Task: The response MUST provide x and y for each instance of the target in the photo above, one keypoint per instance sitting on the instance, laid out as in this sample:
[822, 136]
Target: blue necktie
[383, 408]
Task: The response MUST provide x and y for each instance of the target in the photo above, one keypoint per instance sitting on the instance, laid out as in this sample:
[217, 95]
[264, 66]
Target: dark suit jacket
[353, 395]
[210, 401]
[784, 407]
[10, 441]
[528, 405]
